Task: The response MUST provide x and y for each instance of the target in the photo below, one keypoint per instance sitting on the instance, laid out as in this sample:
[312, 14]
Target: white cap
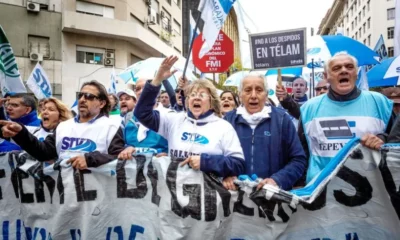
[128, 92]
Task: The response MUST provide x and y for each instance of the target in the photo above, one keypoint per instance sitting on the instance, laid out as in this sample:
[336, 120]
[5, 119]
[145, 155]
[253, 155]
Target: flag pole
[191, 43]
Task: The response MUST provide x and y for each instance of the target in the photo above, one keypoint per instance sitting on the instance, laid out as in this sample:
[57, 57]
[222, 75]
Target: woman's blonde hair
[65, 113]
[215, 102]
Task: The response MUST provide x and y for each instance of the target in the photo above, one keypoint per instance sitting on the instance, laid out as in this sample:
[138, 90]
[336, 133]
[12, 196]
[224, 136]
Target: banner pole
[280, 81]
[191, 44]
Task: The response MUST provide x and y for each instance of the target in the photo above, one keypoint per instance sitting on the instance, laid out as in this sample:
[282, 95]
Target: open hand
[164, 71]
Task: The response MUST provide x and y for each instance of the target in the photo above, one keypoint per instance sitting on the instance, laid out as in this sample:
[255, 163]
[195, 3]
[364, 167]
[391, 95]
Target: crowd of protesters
[227, 135]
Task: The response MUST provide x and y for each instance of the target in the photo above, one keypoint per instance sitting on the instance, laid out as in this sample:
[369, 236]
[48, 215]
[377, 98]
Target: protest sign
[154, 198]
[278, 49]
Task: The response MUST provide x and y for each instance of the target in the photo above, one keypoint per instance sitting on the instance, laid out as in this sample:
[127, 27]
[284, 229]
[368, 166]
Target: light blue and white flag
[10, 78]
[213, 13]
[362, 83]
[397, 29]
[113, 87]
[39, 83]
[380, 49]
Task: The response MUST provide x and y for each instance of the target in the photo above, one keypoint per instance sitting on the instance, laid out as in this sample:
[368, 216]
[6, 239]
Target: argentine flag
[213, 13]
[193, 34]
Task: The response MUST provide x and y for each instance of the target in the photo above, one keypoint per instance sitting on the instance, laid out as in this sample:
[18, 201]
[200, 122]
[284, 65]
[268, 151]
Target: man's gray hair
[254, 74]
[340, 54]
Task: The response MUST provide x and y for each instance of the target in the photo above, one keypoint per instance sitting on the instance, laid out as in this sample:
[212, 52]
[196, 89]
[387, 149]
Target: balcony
[111, 28]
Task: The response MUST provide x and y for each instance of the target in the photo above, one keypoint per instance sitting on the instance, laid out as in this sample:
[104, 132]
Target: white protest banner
[153, 198]
[39, 83]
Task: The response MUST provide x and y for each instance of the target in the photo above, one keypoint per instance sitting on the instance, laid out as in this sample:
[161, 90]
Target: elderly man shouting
[268, 137]
[329, 121]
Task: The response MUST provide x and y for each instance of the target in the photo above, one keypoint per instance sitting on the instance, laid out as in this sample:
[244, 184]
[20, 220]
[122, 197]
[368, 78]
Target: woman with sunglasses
[200, 135]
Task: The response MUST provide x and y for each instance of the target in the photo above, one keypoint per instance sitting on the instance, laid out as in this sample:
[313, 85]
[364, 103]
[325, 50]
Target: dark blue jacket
[273, 149]
[30, 119]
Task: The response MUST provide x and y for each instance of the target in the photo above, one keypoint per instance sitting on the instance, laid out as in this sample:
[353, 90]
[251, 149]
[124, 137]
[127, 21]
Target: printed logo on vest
[267, 133]
[78, 144]
[195, 138]
[337, 129]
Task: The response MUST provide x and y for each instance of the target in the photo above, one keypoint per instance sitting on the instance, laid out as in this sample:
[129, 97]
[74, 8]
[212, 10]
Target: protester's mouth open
[344, 80]
[45, 119]
[226, 105]
[196, 106]
[253, 104]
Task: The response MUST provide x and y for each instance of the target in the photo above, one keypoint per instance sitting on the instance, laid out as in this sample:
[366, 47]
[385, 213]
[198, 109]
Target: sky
[275, 15]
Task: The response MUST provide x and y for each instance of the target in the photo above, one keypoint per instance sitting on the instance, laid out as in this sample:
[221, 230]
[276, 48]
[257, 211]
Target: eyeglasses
[13, 105]
[199, 95]
[87, 96]
[318, 89]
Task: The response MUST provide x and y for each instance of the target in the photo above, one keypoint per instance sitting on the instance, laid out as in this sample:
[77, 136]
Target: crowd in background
[230, 134]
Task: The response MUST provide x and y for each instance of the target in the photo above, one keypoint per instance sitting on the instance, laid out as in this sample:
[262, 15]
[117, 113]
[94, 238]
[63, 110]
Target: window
[347, 32]
[365, 41]
[359, 33]
[390, 14]
[369, 23]
[364, 11]
[369, 40]
[169, 2]
[364, 28]
[356, 36]
[390, 33]
[89, 55]
[166, 20]
[177, 27]
[390, 51]
[40, 45]
[178, 2]
[355, 6]
[135, 59]
[94, 9]
[156, 7]
[355, 22]
[368, 5]
[351, 11]
[352, 26]
[359, 16]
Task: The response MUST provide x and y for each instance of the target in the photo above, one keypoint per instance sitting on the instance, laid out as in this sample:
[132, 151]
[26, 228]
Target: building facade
[91, 37]
[363, 20]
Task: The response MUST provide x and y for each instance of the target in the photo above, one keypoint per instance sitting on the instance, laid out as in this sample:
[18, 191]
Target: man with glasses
[20, 108]
[88, 140]
[322, 87]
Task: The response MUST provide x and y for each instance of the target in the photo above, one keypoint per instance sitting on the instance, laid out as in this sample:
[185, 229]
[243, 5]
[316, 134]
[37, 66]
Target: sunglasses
[320, 88]
[87, 96]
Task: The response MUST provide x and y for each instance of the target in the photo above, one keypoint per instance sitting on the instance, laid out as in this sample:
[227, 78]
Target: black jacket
[46, 150]
[291, 106]
[394, 136]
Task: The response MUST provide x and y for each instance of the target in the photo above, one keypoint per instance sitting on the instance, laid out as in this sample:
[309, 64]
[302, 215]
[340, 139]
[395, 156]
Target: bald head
[299, 88]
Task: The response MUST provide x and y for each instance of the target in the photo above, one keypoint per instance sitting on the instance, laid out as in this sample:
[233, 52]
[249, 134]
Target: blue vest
[152, 143]
[328, 125]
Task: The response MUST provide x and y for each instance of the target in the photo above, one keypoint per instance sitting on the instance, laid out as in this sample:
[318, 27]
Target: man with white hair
[330, 120]
[267, 135]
